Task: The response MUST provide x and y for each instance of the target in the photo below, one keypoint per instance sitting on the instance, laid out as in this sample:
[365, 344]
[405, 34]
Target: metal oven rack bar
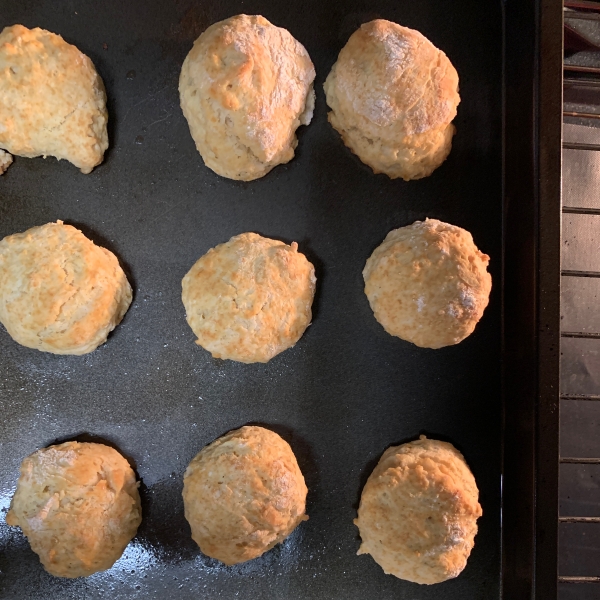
[585, 78]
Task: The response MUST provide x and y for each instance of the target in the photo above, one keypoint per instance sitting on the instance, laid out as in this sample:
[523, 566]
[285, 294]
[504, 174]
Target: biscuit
[250, 298]
[428, 283]
[52, 101]
[5, 161]
[393, 96]
[59, 292]
[78, 505]
[243, 494]
[418, 512]
[245, 87]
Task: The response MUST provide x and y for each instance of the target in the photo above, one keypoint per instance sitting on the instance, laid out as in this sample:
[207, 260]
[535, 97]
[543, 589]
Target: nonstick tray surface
[343, 394]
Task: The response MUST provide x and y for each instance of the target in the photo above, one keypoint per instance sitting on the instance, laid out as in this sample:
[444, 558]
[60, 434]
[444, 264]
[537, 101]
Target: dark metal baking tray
[347, 390]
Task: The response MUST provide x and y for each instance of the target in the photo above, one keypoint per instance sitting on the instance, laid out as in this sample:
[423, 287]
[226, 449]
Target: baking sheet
[343, 394]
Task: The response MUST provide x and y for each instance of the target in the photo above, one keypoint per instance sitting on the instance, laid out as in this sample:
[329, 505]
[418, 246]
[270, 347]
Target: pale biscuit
[245, 87]
[418, 512]
[59, 292]
[393, 96]
[243, 494]
[250, 298]
[78, 505]
[52, 100]
[428, 283]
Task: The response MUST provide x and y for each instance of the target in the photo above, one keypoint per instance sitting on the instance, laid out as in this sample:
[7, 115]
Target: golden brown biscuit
[393, 96]
[243, 494]
[250, 298]
[418, 512]
[428, 283]
[59, 292]
[52, 101]
[78, 505]
[245, 87]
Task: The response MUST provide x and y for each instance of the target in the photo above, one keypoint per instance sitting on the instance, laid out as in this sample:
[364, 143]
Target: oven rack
[581, 87]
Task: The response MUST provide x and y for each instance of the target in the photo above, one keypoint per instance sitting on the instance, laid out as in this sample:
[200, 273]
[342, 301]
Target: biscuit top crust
[394, 81]
[249, 298]
[52, 100]
[59, 292]
[245, 87]
[243, 494]
[428, 283]
[418, 512]
[79, 506]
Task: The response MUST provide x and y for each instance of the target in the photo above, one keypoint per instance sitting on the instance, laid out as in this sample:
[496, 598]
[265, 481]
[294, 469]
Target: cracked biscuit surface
[418, 512]
[393, 96]
[52, 100]
[250, 298]
[245, 87]
[427, 283]
[243, 494]
[59, 292]
[79, 506]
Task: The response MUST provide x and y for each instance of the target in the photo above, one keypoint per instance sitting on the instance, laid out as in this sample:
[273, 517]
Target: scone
[5, 161]
[52, 100]
[418, 512]
[59, 292]
[250, 298]
[245, 87]
[243, 494]
[393, 96]
[428, 283]
[78, 505]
